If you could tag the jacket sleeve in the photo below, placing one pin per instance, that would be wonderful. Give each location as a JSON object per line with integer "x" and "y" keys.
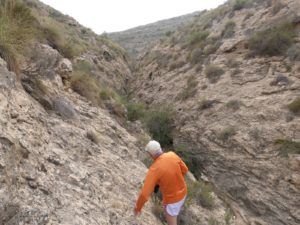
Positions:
{"x": 183, "y": 167}
{"x": 148, "y": 188}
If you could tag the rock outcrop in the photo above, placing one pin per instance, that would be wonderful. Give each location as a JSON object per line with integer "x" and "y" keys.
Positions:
{"x": 52, "y": 172}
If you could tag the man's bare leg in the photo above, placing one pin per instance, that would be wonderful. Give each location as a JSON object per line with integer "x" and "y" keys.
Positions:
{"x": 171, "y": 220}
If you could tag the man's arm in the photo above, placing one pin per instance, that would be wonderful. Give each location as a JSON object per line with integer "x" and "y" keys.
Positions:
{"x": 183, "y": 167}
{"x": 147, "y": 190}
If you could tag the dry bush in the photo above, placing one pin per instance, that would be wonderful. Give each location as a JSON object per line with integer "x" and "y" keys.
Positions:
{"x": 87, "y": 86}
{"x": 228, "y": 31}
{"x": 190, "y": 89}
{"x": 213, "y": 73}
{"x": 226, "y": 133}
{"x": 17, "y": 30}
{"x": 273, "y": 41}
{"x": 294, "y": 106}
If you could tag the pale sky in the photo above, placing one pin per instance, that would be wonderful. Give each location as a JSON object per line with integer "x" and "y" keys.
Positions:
{"x": 118, "y": 15}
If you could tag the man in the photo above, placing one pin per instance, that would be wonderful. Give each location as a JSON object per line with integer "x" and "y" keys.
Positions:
{"x": 167, "y": 171}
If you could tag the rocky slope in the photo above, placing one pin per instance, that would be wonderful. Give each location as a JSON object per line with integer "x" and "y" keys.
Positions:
{"x": 63, "y": 159}
{"x": 233, "y": 87}
{"x": 66, "y": 154}
{"x": 139, "y": 39}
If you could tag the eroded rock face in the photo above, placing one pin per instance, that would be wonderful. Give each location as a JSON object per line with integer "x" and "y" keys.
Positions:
{"x": 51, "y": 173}
{"x": 233, "y": 140}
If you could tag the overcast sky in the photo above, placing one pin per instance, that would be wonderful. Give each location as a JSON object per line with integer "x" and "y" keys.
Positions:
{"x": 117, "y": 15}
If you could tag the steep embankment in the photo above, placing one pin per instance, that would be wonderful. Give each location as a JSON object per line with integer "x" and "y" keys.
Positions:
{"x": 64, "y": 159}
{"x": 232, "y": 78}
{"x": 140, "y": 39}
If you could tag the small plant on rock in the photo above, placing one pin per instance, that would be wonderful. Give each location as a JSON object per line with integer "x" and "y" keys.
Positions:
{"x": 294, "y": 106}
{"x": 226, "y": 133}
{"x": 135, "y": 111}
{"x": 213, "y": 73}
{"x": 286, "y": 147}
{"x": 228, "y": 31}
{"x": 190, "y": 89}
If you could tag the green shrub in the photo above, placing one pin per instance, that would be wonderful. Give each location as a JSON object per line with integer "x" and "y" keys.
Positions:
{"x": 135, "y": 111}
{"x": 190, "y": 88}
{"x": 286, "y": 147}
{"x": 196, "y": 56}
{"x": 159, "y": 123}
{"x": 87, "y": 86}
{"x": 213, "y": 73}
{"x": 240, "y": 4}
{"x": 272, "y": 42}
{"x": 106, "y": 94}
{"x": 294, "y": 106}
{"x": 226, "y": 133}
{"x": 201, "y": 193}
{"x": 197, "y": 38}
{"x": 228, "y": 31}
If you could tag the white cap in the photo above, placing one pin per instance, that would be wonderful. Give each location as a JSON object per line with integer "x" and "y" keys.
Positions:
{"x": 153, "y": 147}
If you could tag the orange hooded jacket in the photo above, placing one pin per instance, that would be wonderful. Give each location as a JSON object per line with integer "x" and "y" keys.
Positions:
{"x": 168, "y": 172}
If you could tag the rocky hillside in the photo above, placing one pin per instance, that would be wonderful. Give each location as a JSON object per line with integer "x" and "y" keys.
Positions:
{"x": 68, "y": 155}
{"x": 231, "y": 79}
{"x": 139, "y": 39}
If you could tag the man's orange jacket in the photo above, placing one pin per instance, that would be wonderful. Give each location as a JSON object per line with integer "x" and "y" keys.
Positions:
{"x": 168, "y": 172}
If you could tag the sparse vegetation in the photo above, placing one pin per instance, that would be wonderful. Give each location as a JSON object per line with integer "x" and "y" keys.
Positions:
{"x": 228, "y": 31}
{"x": 197, "y": 38}
{"x": 240, "y": 4}
{"x": 201, "y": 193}
{"x": 226, "y": 133}
{"x": 17, "y": 30}
{"x": 286, "y": 147}
{"x": 107, "y": 94}
{"x": 87, "y": 86}
{"x": 213, "y": 221}
{"x": 135, "y": 111}
{"x": 159, "y": 123}
{"x": 273, "y": 41}
{"x": 196, "y": 56}
{"x": 294, "y": 106}
{"x": 213, "y": 73}
{"x": 190, "y": 88}
{"x": 176, "y": 64}
{"x": 67, "y": 46}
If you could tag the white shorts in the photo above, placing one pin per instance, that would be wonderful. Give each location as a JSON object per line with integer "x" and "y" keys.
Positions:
{"x": 174, "y": 208}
